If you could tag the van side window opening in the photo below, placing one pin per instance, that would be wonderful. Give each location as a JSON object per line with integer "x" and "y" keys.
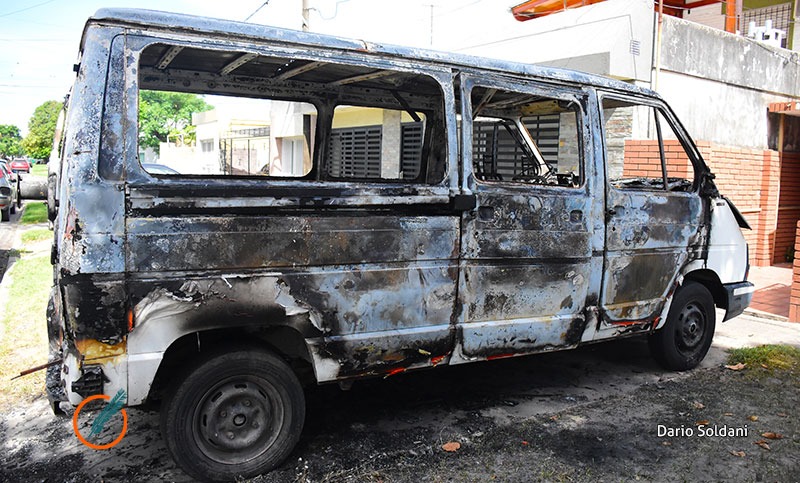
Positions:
{"x": 262, "y": 116}
{"x": 642, "y": 149}
{"x": 375, "y": 143}
{"x": 525, "y": 138}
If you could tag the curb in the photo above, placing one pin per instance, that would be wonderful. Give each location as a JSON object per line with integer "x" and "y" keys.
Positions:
{"x": 764, "y": 315}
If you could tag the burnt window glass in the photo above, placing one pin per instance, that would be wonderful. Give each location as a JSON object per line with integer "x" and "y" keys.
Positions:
{"x": 224, "y": 113}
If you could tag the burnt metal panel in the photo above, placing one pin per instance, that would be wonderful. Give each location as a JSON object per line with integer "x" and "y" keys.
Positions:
{"x": 649, "y": 237}
{"x": 250, "y": 242}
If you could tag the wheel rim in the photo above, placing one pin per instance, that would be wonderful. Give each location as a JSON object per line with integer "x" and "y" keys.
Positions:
{"x": 238, "y": 419}
{"x": 691, "y": 328}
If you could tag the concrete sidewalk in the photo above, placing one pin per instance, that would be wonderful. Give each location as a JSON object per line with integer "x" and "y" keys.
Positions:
{"x": 749, "y": 330}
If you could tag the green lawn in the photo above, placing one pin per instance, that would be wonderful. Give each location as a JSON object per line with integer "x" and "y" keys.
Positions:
{"x": 766, "y": 357}
{"x": 35, "y": 212}
{"x": 23, "y": 329}
{"x": 36, "y": 234}
{"x": 39, "y": 170}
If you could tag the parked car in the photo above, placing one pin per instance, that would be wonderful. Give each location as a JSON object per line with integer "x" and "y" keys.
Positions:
{"x": 404, "y": 209}
{"x": 9, "y": 192}
{"x": 20, "y": 166}
{"x": 155, "y": 168}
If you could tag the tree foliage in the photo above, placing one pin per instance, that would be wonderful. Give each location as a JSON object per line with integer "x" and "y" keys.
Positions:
{"x": 167, "y": 117}
{"x": 41, "y": 129}
{"x": 10, "y": 141}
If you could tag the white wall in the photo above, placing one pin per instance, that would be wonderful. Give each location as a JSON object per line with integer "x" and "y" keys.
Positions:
{"x": 596, "y": 38}
{"x": 710, "y": 15}
{"x": 720, "y": 84}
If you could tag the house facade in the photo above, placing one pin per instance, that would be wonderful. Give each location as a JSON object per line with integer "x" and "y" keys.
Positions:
{"x": 739, "y": 97}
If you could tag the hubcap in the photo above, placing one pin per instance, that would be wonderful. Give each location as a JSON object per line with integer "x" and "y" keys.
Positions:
{"x": 691, "y": 328}
{"x": 238, "y": 419}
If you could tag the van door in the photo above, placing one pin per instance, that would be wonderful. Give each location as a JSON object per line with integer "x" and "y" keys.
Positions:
{"x": 528, "y": 269}
{"x": 653, "y": 211}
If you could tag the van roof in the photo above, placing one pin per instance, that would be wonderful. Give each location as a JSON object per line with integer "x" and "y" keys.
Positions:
{"x": 194, "y": 25}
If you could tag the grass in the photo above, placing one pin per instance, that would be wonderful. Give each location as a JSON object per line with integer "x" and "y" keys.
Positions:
{"x": 23, "y": 330}
{"x": 768, "y": 357}
{"x": 35, "y": 212}
{"x": 39, "y": 170}
{"x": 35, "y": 235}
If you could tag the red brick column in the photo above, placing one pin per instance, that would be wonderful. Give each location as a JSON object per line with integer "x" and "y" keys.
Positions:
{"x": 768, "y": 217}
{"x": 794, "y": 299}
{"x": 751, "y": 179}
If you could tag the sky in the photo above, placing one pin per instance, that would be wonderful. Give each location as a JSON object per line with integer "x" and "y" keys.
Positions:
{"x": 39, "y": 39}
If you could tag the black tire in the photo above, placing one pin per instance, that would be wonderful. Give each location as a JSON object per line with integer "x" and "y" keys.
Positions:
{"x": 236, "y": 414}
{"x": 12, "y": 208}
{"x": 5, "y": 214}
{"x": 684, "y": 340}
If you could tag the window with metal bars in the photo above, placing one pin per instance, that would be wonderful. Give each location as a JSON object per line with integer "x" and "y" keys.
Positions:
{"x": 781, "y": 16}
{"x": 355, "y": 152}
{"x": 411, "y": 149}
{"x": 391, "y": 150}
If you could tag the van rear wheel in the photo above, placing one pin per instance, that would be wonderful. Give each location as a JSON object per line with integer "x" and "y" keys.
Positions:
{"x": 686, "y": 337}
{"x": 235, "y": 414}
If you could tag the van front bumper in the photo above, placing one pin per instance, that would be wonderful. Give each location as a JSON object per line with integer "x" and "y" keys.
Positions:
{"x": 739, "y": 295}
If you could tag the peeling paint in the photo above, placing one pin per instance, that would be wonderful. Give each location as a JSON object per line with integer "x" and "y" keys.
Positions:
{"x": 357, "y": 277}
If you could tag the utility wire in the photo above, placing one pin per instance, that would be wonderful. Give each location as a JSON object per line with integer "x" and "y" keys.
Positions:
{"x": 335, "y": 12}
{"x": 26, "y": 8}
{"x": 256, "y": 10}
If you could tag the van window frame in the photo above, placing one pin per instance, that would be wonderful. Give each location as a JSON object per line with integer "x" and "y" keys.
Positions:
{"x": 359, "y": 192}
{"x": 578, "y": 96}
{"x": 681, "y": 135}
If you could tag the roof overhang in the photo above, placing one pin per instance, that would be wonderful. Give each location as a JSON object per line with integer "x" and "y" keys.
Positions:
{"x": 791, "y": 108}
{"x": 539, "y": 8}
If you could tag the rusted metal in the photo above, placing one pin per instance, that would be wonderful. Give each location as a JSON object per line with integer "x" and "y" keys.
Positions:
{"x": 353, "y": 277}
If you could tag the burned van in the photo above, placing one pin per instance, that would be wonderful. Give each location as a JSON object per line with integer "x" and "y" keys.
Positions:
{"x": 323, "y": 210}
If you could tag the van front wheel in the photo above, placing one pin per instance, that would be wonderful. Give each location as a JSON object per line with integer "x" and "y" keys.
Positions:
{"x": 236, "y": 414}
{"x": 686, "y": 337}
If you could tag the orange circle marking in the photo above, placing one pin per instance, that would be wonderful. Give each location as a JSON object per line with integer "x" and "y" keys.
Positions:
{"x": 78, "y": 433}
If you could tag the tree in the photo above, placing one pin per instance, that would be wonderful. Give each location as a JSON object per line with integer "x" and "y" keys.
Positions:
{"x": 41, "y": 129}
{"x": 167, "y": 117}
{"x": 10, "y": 141}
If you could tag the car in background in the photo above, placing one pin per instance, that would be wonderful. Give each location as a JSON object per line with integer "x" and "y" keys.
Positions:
{"x": 9, "y": 192}
{"x": 155, "y": 168}
{"x": 20, "y": 166}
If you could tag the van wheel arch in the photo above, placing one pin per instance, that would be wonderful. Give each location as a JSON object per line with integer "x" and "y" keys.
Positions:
{"x": 283, "y": 341}
{"x": 710, "y": 280}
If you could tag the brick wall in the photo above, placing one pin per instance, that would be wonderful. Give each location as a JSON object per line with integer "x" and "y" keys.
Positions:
{"x": 642, "y": 159}
{"x": 788, "y": 208}
{"x": 794, "y": 299}
{"x": 749, "y": 177}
